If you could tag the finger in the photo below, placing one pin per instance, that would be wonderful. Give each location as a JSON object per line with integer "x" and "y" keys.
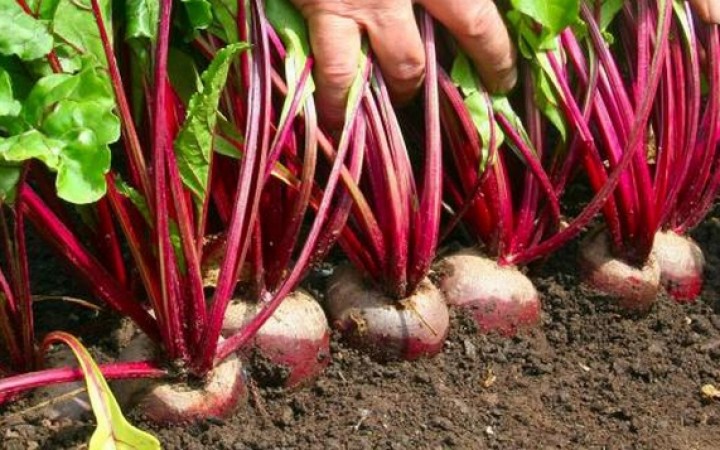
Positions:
{"x": 396, "y": 43}
{"x": 335, "y": 43}
{"x": 707, "y": 10}
{"x": 479, "y": 29}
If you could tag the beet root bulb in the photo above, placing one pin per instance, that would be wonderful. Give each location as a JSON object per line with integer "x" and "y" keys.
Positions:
{"x": 634, "y": 288}
{"x": 681, "y": 265}
{"x": 385, "y": 328}
{"x": 500, "y": 299}
{"x": 170, "y": 402}
{"x": 292, "y": 348}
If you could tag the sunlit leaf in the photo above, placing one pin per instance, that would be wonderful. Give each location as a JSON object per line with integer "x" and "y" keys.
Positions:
{"x": 22, "y": 34}
{"x": 194, "y": 143}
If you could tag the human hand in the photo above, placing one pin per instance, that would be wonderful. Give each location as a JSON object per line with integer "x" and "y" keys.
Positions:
{"x": 335, "y": 37}
{"x": 707, "y": 10}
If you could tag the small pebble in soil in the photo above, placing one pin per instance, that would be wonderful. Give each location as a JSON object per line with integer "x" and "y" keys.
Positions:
{"x": 422, "y": 378}
{"x": 286, "y": 417}
{"x": 470, "y": 349}
{"x": 364, "y": 414}
{"x": 442, "y": 423}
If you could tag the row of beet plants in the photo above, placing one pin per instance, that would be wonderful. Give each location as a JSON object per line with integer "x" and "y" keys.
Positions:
{"x": 225, "y": 191}
{"x": 173, "y": 234}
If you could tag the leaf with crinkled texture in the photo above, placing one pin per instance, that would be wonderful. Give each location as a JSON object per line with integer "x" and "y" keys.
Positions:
{"x": 194, "y": 143}
{"x": 81, "y": 164}
{"x": 22, "y": 34}
{"x": 87, "y": 91}
{"x": 75, "y": 23}
{"x": 46, "y": 92}
{"x": 65, "y": 120}
{"x": 15, "y": 150}
{"x": 31, "y": 145}
{"x": 84, "y": 163}
{"x": 70, "y": 122}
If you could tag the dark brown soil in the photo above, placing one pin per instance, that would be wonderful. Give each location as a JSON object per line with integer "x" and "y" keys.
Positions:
{"x": 587, "y": 378}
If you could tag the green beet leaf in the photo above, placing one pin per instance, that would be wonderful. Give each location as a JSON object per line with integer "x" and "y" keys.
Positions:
{"x": 538, "y": 24}
{"x": 135, "y": 197}
{"x": 69, "y": 124}
{"x": 291, "y": 26}
{"x": 608, "y": 10}
{"x": 547, "y": 95}
{"x": 8, "y": 105}
{"x": 553, "y": 15}
{"x": 478, "y": 103}
{"x": 199, "y": 12}
{"x": 22, "y": 34}
{"x": 183, "y": 74}
{"x": 193, "y": 16}
{"x": 194, "y": 143}
{"x": 32, "y": 145}
{"x": 74, "y": 22}
{"x": 64, "y": 120}
{"x": 141, "y": 17}
{"x": 224, "y": 24}
{"x": 81, "y": 174}
{"x": 19, "y": 148}
{"x": 20, "y": 79}
{"x": 9, "y": 179}
{"x": 44, "y": 9}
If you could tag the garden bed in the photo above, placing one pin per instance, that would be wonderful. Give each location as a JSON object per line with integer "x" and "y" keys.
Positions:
{"x": 587, "y": 378}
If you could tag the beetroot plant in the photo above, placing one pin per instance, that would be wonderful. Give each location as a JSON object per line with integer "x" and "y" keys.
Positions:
{"x": 680, "y": 132}
{"x": 687, "y": 121}
{"x": 514, "y": 206}
{"x": 56, "y": 107}
{"x": 385, "y": 304}
{"x": 174, "y": 148}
